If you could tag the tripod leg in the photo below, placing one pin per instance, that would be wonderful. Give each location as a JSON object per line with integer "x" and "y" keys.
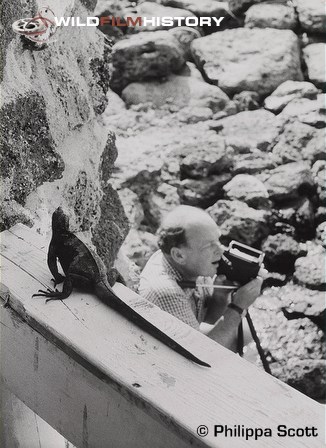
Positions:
{"x": 258, "y": 345}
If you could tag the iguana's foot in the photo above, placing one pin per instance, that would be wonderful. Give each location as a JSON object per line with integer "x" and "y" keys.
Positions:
{"x": 52, "y": 295}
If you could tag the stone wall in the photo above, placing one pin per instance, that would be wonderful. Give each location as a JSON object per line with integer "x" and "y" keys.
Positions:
{"x": 55, "y": 148}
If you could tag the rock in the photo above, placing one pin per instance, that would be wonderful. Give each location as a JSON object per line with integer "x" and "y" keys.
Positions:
{"x": 307, "y": 111}
{"x": 210, "y": 159}
{"x": 132, "y": 207}
{"x": 248, "y": 59}
{"x": 139, "y": 246}
{"x": 206, "y": 8}
{"x": 185, "y": 35}
{"x": 240, "y": 222}
{"x": 292, "y": 142}
{"x": 305, "y": 220}
{"x": 161, "y": 201}
{"x": 288, "y": 91}
{"x": 312, "y": 15}
{"x": 290, "y": 181}
{"x": 313, "y": 55}
{"x": 318, "y": 171}
{"x": 254, "y": 162}
{"x": 240, "y": 5}
{"x": 177, "y": 92}
{"x": 310, "y": 271}
{"x": 258, "y": 128}
{"x": 281, "y": 251}
{"x": 204, "y": 192}
{"x": 321, "y": 234}
{"x": 116, "y": 105}
{"x": 151, "y": 9}
{"x": 320, "y": 215}
{"x": 315, "y": 148}
{"x": 12, "y": 213}
{"x": 246, "y": 101}
{"x": 190, "y": 115}
{"x": 307, "y": 376}
{"x": 248, "y": 189}
{"x": 271, "y": 15}
{"x": 302, "y": 302}
{"x": 144, "y": 56}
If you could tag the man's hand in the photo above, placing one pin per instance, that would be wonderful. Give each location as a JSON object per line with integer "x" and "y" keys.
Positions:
{"x": 247, "y": 294}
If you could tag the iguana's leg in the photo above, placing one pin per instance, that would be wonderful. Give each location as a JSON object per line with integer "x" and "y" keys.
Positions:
{"x": 57, "y": 295}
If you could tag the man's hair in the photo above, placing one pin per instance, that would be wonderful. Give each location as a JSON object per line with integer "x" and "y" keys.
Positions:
{"x": 171, "y": 237}
{"x": 172, "y": 232}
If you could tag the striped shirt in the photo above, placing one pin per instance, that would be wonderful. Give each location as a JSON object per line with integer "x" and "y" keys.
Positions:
{"x": 158, "y": 284}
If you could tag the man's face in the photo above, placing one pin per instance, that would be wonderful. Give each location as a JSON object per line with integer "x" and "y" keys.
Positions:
{"x": 203, "y": 250}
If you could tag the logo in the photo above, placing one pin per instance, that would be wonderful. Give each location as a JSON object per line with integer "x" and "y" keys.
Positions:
{"x": 38, "y": 29}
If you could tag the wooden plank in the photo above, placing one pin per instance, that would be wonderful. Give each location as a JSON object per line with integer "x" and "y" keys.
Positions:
{"x": 173, "y": 392}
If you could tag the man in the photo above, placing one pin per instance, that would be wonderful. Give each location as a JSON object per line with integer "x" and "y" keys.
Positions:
{"x": 190, "y": 249}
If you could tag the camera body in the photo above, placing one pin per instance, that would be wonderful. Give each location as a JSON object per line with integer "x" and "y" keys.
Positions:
{"x": 240, "y": 263}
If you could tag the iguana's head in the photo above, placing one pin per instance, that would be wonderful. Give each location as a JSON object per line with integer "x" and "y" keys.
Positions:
{"x": 60, "y": 221}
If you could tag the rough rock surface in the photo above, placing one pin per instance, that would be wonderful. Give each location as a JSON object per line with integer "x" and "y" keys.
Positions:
{"x": 270, "y": 15}
{"x": 151, "y": 9}
{"x": 292, "y": 143}
{"x": 312, "y": 15}
{"x": 310, "y": 271}
{"x": 318, "y": 171}
{"x": 248, "y": 189}
{"x": 238, "y": 5}
{"x": 202, "y": 192}
{"x": 307, "y": 111}
{"x": 178, "y": 92}
{"x": 150, "y": 55}
{"x": 240, "y": 222}
{"x": 214, "y": 158}
{"x": 291, "y": 338}
{"x": 314, "y": 57}
{"x": 290, "y": 181}
{"x": 246, "y": 100}
{"x": 288, "y": 91}
{"x": 55, "y": 151}
{"x": 206, "y": 8}
{"x": 257, "y": 128}
{"x": 281, "y": 251}
{"x": 241, "y": 59}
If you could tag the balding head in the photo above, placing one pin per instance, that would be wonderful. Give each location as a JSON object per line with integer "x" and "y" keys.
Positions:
{"x": 179, "y": 224}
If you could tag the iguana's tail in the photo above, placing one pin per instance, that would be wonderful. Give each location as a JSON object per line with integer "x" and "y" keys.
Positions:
{"x": 106, "y": 293}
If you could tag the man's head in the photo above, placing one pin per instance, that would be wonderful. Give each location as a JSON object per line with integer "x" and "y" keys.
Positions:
{"x": 189, "y": 238}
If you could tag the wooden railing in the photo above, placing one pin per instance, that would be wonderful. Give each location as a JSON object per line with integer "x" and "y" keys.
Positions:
{"x": 102, "y": 382}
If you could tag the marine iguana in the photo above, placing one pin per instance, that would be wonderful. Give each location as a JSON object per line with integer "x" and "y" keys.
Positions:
{"x": 79, "y": 264}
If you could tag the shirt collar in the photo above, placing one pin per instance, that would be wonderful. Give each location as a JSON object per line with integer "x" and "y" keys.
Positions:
{"x": 170, "y": 269}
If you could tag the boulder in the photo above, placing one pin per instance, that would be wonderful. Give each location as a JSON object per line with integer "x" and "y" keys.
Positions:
{"x": 240, "y": 5}
{"x": 248, "y": 59}
{"x": 206, "y": 8}
{"x": 315, "y": 148}
{"x": 319, "y": 172}
{"x": 307, "y": 111}
{"x": 258, "y": 128}
{"x": 321, "y": 234}
{"x": 139, "y": 246}
{"x": 144, "y": 56}
{"x": 177, "y": 92}
{"x": 240, "y": 222}
{"x": 271, "y": 15}
{"x": 254, "y": 162}
{"x": 314, "y": 57}
{"x": 248, "y": 189}
{"x": 164, "y": 199}
{"x": 185, "y": 35}
{"x": 304, "y": 220}
{"x": 246, "y": 101}
{"x": 191, "y": 115}
{"x": 210, "y": 159}
{"x": 289, "y": 181}
{"x": 310, "y": 271}
{"x": 288, "y": 91}
{"x": 281, "y": 251}
{"x": 202, "y": 192}
{"x": 292, "y": 142}
{"x": 312, "y": 15}
{"x": 132, "y": 207}
{"x": 152, "y": 9}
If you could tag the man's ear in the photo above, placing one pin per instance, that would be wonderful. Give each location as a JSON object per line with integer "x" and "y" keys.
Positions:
{"x": 178, "y": 255}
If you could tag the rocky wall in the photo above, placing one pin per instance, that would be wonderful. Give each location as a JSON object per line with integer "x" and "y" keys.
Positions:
{"x": 55, "y": 148}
